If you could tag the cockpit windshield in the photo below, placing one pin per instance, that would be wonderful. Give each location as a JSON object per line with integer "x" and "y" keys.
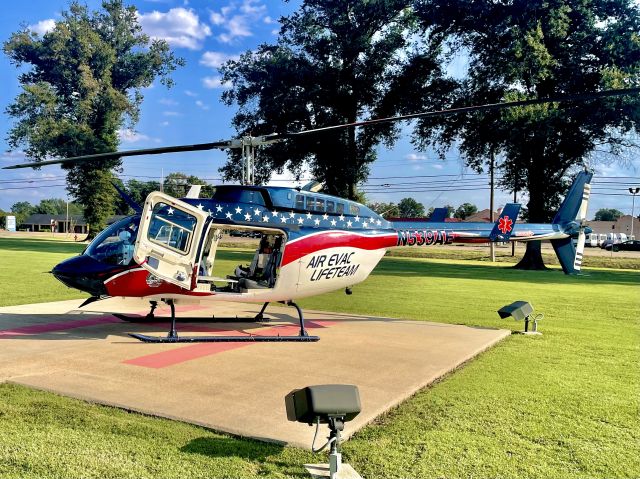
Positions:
{"x": 115, "y": 244}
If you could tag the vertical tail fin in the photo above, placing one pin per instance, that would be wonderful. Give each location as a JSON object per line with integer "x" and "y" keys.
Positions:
{"x": 570, "y": 219}
{"x": 506, "y": 221}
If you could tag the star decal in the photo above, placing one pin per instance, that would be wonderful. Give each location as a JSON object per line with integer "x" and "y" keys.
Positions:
{"x": 238, "y": 210}
{"x": 341, "y": 217}
{"x": 292, "y": 214}
{"x": 256, "y": 212}
{"x": 283, "y": 219}
{"x": 300, "y": 220}
{"x": 228, "y": 215}
{"x": 265, "y": 219}
{"x": 357, "y": 218}
{"x": 210, "y": 213}
{"x": 218, "y": 208}
{"x": 349, "y": 224}
{"x": 308, "y": 215}
{"x": 247, "y": 217}
{"x": 378, "y": 222}
{"x": 325, "y": 217}
{"x": 274, "y": 214}
{"x": 200, "y": 207}
{"x": 170, "y": 210}
{"x": 316, "y": 221}
{"x": 364, "y": 224}
{"x": 333, "y": 222}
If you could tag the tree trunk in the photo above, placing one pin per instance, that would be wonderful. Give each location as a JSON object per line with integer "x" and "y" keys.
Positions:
{"x": 532, "y": 258}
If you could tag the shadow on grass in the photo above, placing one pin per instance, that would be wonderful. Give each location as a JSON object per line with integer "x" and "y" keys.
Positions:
{"x": 232, "y": 447}
{"x": 43, "y": 246}
{"x": 407, "y": 267}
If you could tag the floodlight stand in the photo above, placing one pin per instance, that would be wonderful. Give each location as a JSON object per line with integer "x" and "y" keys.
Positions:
{"x": 534, "y": 326}
{"x": 335, "y": 458}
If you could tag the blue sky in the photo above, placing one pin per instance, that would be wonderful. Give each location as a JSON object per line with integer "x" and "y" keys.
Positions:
{"x": 205, "y": 33}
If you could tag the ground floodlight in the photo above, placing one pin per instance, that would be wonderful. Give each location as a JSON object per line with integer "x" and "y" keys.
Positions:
{"x": 521, "y": 310}
{"x": 331, "y": 404}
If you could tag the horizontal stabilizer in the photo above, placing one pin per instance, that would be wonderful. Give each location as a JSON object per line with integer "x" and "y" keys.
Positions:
{"x": 503, "y": 228}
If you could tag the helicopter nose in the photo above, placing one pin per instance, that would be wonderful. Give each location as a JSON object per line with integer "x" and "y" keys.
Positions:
{"x": 83, "y": 273}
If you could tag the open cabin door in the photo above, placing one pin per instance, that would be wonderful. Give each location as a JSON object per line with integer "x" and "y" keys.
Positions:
{"x": 169, "y": 239}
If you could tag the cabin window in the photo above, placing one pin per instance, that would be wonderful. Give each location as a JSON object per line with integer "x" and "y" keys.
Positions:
{"x": 331, "y": 206}
{"x": 320, "y": 204}
{"x": 340, "y": 208}
{"x": 300, "y": 202}
{"x": 171, "y": 227}
{"x": 354, "y": 210}
{"x": 311, "y": 203}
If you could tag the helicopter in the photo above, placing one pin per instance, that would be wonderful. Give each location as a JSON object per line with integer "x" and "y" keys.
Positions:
{"x": 310, "y": 242}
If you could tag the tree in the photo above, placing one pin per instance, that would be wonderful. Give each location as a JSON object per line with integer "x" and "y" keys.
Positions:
{"x": 22, "y": 210}
{"x": 410, "y": 208}
{"x": 386, "y": 210}
{"x": 537, "y": 49}
{"x": 178, "y": 184}
{"x": 81, "y": 83}
{"x": 57, "y": 206}
{"x": 335, "y": 62}
{"x": 607, "y": 214}
{"x": 465, "y": 210}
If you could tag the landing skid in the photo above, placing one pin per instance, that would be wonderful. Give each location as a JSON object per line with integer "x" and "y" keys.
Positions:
{"x": 173, "y": 337}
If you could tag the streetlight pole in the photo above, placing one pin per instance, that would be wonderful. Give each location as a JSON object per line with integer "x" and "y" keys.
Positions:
{"x": 634, "y": 192}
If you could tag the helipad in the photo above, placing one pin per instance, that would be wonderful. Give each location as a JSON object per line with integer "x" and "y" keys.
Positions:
{"x": 233, "y": 387}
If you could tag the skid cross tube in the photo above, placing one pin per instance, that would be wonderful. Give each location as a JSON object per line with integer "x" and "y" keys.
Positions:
{"x": 173, "y": 336}
{"x": 258, "y": 318}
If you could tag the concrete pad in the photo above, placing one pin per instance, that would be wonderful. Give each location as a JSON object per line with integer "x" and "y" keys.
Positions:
{"x": 232, "y": 387}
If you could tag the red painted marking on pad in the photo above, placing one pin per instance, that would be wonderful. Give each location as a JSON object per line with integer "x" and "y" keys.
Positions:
{"x": 57, "y": 326}
{"x": 195, "y": 351}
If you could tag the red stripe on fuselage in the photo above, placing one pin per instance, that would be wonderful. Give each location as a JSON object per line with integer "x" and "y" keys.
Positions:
{"x": 134, "y": 284}
{"x": 335, "y": 239}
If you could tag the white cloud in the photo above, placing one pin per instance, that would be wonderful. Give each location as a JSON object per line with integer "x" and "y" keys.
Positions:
{"x": 415, "y": 157}
{"x": 190, "y": 93}
{"x": 179, "y": 26}
{"x": 268, "y": 20}
{"x": 216, "y": 59}
{"x": 167, "y": 101}
{"x": 43, "y": 26}
{"x": 127, "y": 135}
{"x": 164, "y": 123}
{"x": 215, "y": 82}
{"x": 171, "y": 113}
{"x": 437, "y": 166}
{"x": 237, "y": 19}
{"x": 202, "y": 105}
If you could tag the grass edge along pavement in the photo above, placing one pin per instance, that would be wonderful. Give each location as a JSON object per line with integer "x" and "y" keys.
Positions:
{"x": 561, "y": 405}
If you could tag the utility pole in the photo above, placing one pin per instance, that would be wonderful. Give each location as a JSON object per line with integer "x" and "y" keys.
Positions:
{"x": 634, "y": 192}
{"x": 492, "y": 245}
{"x": 513, "y": 243}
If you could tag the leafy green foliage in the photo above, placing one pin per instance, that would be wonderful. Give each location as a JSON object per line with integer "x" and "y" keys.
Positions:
{"x": 178, "y": 184}
{"x": 410, "y": 208}
{"x": 81, "y": 83}
{"x": 335, "y": 62}
{"x": 465, "y": 210}
{"x": 57, "y": 206}
{"x": 386, "y": 210}
{"x": 538, "y": 49}
{"x": 607, "y": 214}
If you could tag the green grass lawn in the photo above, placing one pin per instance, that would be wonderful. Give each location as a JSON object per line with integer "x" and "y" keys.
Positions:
{"x": 562, "y": 405}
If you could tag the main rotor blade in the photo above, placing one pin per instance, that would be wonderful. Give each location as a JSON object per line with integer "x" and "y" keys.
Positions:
{"x": 119, "y": 154}
{"x": 464, "y": 109}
